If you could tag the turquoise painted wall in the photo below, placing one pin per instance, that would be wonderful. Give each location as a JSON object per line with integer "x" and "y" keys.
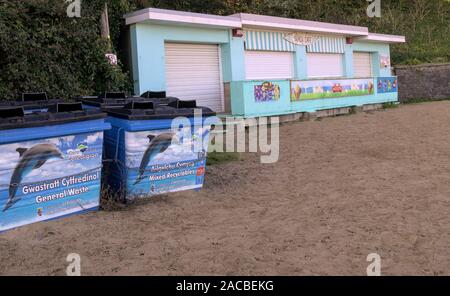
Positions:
{"x": 300, "y": 64}
{"x": 348, "y": 61}
{"x": 233, "y": 60}
{"x": 244, "y": 103}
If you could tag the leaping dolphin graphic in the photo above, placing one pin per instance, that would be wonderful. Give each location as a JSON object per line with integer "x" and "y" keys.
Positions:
{"x": 30, "y": 159}
{"x": 158, "y": 144}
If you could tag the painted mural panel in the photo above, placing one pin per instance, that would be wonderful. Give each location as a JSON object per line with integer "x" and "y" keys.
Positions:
{"x": 160, "y": 161}
{"x": 267, "y": 91}
{"x": 49, "y": 178}
{"x": 324, "y": 89}
{"x": 387, "y": 85}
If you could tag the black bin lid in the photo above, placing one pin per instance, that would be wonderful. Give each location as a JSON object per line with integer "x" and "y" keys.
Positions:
{"x": 33, "y": 101}
{"x": 154, "y": 94}
{"x": 108, "y": 100}
{"x": 119, "y": 99}
{"x": 151, "y": 110}
{"x": 13, "y": 117}
{"x": 34, "y": 97}
{"x": 159, "y": 97}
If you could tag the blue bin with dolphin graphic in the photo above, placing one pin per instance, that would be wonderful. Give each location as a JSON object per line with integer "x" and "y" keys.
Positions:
{"x": 156, "y": 148}
{"x": 50, "y": 162}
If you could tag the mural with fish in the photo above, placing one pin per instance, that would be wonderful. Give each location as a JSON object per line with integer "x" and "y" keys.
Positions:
{"x": 49, "y": 178}
{"x": 324, "y": 89}
{"x": 266, "y": 92}
{"x": 387, "y": 85}
{"x": 161, "y": 161}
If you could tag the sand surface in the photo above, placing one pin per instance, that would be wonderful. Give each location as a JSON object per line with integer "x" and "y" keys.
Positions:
{"x": 344, "y": 187}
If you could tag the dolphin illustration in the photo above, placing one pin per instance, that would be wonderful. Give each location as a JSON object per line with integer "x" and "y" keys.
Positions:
{"x": 158, "y": 144}
{"x": 30, "y": 159}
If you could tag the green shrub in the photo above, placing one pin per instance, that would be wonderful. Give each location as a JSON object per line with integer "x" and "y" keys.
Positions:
{"x": 215, "y": 158}
{"x": 42, "y": 49}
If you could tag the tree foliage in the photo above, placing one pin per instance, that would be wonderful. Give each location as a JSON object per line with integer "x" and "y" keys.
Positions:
{"x": 425, "y": 23}
{"x": 42, "y": 49}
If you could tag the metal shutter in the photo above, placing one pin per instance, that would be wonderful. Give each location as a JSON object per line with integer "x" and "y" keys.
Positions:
{"x": 269, "y": 65}
{"x": 362, "y": 66}
{"x": 193, "y": 72}
{"x": 324, "y": 65}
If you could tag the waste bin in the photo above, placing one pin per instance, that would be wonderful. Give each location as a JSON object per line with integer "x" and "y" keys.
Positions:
{"x": 50, "y": 162}
{"x": 149, "y": 157}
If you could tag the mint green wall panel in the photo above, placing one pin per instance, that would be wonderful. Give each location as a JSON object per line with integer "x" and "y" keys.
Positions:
{"x": 348, "y": 61}
{"x": 233, "y": 60}
{"x": 237, "y": 95}
{"x": 300, "y": 63}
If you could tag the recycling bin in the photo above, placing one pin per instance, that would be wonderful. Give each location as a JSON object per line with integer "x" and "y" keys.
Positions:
{"x": 50, "y": 162}
{"x": 151, "y": 157}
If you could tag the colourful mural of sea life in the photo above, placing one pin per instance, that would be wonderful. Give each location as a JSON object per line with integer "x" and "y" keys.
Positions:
{"x": 266, "y": 92}
{"x": 324, "y": 89}
{"x": 387, "y": 85}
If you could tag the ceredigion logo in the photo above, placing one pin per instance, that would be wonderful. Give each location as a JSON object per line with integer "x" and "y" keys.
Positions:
{"x": 82, "y": 147}
{"x": 374, "y": 8}
{"x": 74, "y": 8}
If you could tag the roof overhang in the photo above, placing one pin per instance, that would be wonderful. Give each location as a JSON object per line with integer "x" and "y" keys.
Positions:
{"x": 154, "y": 15}
{"x": 254, "y": 21}
{"x": 383, "y": 38}
{"x": 280, "y": 23}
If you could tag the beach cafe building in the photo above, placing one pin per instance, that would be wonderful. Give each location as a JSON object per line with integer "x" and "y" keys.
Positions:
{"x": 255, "y": 65}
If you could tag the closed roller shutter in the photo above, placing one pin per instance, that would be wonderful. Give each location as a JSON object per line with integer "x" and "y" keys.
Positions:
{"x": 193, "y": 73}
{"x": 324, "y": 65}
{"x": 269, "y": 65}
{"x": 362, "y": 66}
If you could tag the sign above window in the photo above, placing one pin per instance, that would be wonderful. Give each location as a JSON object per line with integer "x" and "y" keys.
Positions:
{"x": 280, "y": 41}
{"x": 301, "y": 38}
